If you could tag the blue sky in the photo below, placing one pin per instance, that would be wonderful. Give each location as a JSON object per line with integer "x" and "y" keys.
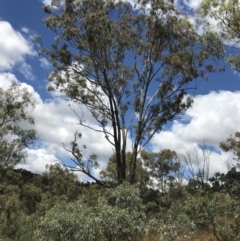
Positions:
{"x": 214, "y": 116}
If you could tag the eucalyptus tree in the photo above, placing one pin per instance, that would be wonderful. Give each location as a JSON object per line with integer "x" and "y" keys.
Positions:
{"x": 162, "y": 167}
{"x": 14, "y": 139}
{"x": 130, "y": 66}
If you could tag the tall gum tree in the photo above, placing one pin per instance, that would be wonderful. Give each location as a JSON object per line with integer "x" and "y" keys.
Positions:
{"x": 131, "y": 67}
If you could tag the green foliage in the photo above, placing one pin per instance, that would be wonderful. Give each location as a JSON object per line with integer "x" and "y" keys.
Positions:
{"x": 13, "y": 138}
{"x": 232, "y": 144}
{"x": 194, "y": 185}
{"x": 67, "y": 221}
{"x": 30, "y": 197}
{"x": 228, "y": 183}
{"x": 118, "y": 215}
{"x": 169, "y": 229}
{"x": 58, "y": 180}
{"x": 35, "y": 207}
{"x": 122, "y": 215}
{"x": 25, "y": 197}
{"x": 217, "y": 212}
{"x": 227, "y": 15}
{"x": 10, "y": 212}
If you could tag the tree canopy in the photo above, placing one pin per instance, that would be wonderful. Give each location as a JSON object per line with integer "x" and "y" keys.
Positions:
{"x": 226, "y": 13}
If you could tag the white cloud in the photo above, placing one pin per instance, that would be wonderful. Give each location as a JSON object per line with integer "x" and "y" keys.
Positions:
{"x": 37, "y": 160}
{"x": 211, "y": 119}
{"x": 27, "y": 71}
{"x": 192, "y": 4}
{"x": 44, "y": 63}
{"x": 214, "y": 116}
{"x": 47, "y": 2}
{"x": 25, "y": 30}
{"x": 56, "y": 122}
{"x": 13, "y": 47}
{"x": 6, "y": 79}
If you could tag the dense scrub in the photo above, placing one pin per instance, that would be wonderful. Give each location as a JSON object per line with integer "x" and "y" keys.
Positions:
{"x": 56, "y": 206}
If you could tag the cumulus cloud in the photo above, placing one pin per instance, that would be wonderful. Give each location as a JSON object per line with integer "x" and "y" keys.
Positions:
{"x": 55, "y": 123}
{"x": 6, "y": 79}
{"x": 37, "y": 160}
{"x": 13, "y": 47}
{"x": 211, "y": 119}
{"x": 58, "y": 124}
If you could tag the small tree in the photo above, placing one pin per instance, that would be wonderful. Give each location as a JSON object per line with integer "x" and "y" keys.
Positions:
{"x": 162, "y": 166}
{"x": 13, "y": 138}
{"x": 197, "y": 165}
{"x": 131, "y": 67}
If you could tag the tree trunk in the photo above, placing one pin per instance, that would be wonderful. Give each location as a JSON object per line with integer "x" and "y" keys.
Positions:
{"x": 119, "y": 168}
{"x": 133, "y": 164}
